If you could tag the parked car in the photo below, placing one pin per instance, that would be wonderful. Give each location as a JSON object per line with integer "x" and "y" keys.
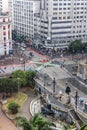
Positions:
{"x": 23, "y": 49}
{"x": 31, "y": 54}
{"x": 23, "y": 45}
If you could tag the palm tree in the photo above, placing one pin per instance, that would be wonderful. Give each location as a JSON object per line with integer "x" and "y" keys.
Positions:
{"x": 65, "y": 127}
{"x": 37, "y": 122}
{"x": 25, "y": 124}
{"x": 46, "y": 125}
{"x": 84, "y": 127}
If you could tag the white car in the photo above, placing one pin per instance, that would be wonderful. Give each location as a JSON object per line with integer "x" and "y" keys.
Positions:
{"x": 23, "y": 45}
{"x": 23, "y": 49}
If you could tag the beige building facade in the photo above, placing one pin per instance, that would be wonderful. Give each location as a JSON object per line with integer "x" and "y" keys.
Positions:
{"x": 5, "y": 34}
{"x": 82, "y": 70}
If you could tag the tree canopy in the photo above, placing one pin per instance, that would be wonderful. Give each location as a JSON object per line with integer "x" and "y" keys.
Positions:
{"x": 37, "y": 122}
{"x": 77, "y": 46}
{"x": 18, "y": 77}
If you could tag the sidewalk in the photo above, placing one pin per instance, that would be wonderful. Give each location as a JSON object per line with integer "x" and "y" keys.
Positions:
{"x": 5, "y": 123}
{"x": 25, "y": 109}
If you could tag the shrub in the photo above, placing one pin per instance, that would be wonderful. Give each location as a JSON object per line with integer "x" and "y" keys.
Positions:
{"x": 13, "y": 107}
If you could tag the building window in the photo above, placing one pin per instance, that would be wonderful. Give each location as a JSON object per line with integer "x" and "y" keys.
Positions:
{"x": 4, "y": 33}
{"x": 4, "y": 27}
{"x": 9, "y": 42}
{"x": 5, "y": 44}
{"x": 8, "y": 34}
{"x": 4, "y": 20}
{"x": 4, "y": 38}
{"x": 8, "y": 26}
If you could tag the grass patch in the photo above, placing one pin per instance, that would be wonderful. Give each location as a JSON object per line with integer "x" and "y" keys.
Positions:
{"x": 18, "y": 98}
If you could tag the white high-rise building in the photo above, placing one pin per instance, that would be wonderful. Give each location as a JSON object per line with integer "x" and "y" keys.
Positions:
{"x": 24, "y": 11}
{"x": 4, "y": 5}
{"x": 61, "y": 21}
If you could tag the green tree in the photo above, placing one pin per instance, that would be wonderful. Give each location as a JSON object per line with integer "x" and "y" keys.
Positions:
{"x": 30, "y": 78}
{"x": 76, "y": 46}
{"x": 21, "y": 75}
{"x": 13, "y": 107}
{"x": 7, "y": 85}
{"x": 37, "y": 122}
{"x": 25, "y": 124}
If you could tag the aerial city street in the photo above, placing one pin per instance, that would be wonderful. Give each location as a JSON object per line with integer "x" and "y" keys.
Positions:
{"x": 43, "y": 65}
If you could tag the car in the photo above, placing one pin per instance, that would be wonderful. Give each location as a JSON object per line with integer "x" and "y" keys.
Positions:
{"x": 31, "y": 54}
{"x": 23, "y": 49}
{"x": 23, "y": 45}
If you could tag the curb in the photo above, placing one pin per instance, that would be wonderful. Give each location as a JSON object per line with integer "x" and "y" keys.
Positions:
{"x": 32, "y": 104}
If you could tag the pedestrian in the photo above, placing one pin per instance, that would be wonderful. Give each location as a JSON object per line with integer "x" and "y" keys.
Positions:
{"x": 5, "y": 67}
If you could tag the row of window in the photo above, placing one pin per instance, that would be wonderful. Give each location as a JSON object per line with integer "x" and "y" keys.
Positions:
{"x": 30, "y": 29}
{"x": 6, "y": 20}
{"x": 68, "y": 17}
{"x": 78, "y": 12}
{"x": 68, "y": 0}
{"x": 6, "y": 44}
{"x": 62, "y": 4}
{"x": 25, "y": 16}
{"x": 67, "y": 8}
{"x": 4, "y": 33}
{"x": 4, "y": 27}
{"x": 68, "y": 32}
{"x": 61, "y": 27}
{"x": 61, "y": 8}
{"x": 23, "y": 2}
{"x": 23, "y": 10}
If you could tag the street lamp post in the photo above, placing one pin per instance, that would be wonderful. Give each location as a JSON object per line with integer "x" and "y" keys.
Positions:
{"x": 24, "y": 64}
{"x": 44, "y": 81}
{"x": 73, "y": 51}
{"x": 76, "y": 99}
{"x": 82, "y": 54}
{"x": 54, "y": 85}
{"x": 18, "y": 87}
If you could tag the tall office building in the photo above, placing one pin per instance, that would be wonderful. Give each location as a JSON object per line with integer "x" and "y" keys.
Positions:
{"x": 61, "y": 21}
{"x": 24, "y": 11}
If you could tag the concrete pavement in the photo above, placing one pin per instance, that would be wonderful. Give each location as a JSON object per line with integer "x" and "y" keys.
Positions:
{"x": 25, "y": 109}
